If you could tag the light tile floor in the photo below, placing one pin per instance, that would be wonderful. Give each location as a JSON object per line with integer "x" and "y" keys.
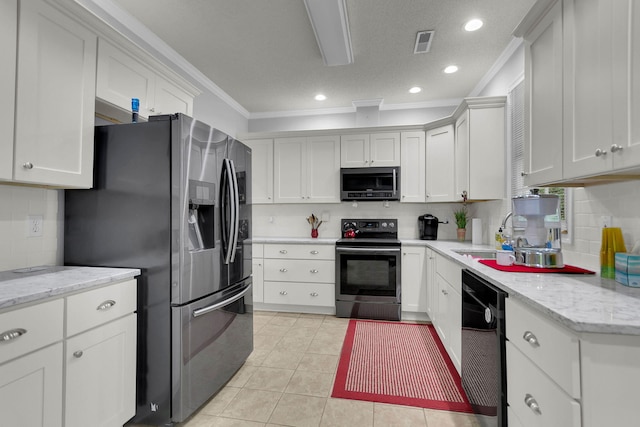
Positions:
{"x": 287, "y": 381}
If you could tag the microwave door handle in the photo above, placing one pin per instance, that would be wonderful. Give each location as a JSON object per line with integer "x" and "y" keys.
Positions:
{"x": 395, "y": 184}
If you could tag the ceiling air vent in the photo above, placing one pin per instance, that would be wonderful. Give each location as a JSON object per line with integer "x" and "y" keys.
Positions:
{"x": 423, "y": 41}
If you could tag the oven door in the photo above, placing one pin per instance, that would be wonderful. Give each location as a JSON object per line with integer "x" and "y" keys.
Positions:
{"x": 368, "y": 274}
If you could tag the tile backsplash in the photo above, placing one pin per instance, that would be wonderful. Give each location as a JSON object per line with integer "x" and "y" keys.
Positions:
{"x": 621, "y": 201}
{"x": 17, "y": 250}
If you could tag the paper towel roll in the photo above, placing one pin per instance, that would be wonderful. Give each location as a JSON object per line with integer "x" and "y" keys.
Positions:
{"x": 476, "y": 231}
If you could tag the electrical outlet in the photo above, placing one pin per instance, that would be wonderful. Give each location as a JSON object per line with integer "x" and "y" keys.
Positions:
{"x": 34, "y": 225}
{"x": 606, "y": 220}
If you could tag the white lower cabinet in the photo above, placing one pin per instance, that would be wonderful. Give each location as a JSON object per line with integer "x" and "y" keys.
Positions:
{"x": 101, "y": 375}
{"x": 76, "y": 353}
{"x": 298, "y": 277}
{"x": 30, "y": 389}
{"x": 413, "y": 288}
{"x": 447, "y": 317}
{"x": 431, "y": 285}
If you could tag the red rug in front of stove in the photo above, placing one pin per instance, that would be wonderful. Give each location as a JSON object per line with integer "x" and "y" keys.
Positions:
{"x": 398, "y": 363}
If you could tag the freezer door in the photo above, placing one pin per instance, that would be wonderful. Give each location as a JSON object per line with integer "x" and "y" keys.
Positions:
{"x": 212, "y": 338}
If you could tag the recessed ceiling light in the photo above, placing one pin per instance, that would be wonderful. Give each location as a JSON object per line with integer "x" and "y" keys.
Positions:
{"x": 451, "y": 69}
{"x": 320, "y": 97}
{"x": 415, "y": 89}
{"x": 474, "y": 24}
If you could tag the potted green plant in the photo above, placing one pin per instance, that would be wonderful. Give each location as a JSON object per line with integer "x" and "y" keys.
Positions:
{"x": 462, "y": 216}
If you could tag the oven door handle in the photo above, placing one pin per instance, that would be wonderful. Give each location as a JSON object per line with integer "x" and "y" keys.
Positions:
{"x": 379, "y": 250}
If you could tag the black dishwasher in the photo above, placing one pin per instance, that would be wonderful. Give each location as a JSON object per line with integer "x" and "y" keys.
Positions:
{"x": 484, "y": 374}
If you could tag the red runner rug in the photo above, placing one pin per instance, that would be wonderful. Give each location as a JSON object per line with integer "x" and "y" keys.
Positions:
{"x": 399, "y": 363}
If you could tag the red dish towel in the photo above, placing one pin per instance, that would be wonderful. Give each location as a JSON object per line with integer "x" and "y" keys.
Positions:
{"x": 567, "y": 269}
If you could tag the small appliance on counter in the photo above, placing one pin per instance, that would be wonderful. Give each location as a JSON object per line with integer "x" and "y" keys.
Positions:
{"x": 539, "y": 245}
{"x": 428, "y": 226}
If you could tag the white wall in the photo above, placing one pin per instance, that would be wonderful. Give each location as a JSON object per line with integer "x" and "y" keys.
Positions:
{"x": 16, "y": 249}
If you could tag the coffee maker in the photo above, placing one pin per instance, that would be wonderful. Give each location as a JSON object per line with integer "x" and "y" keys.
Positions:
{"x": 428, "y": 226}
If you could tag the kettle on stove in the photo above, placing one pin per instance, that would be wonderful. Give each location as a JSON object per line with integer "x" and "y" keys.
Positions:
{"x": 428, "y": 226}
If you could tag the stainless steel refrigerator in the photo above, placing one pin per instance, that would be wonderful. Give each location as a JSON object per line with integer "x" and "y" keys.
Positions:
{"x": 173, "y": 197}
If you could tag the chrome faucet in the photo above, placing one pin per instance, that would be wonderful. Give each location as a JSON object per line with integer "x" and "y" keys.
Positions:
{"x": 504, "y": 221}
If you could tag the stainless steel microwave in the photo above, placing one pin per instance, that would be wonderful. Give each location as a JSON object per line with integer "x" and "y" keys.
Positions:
{"x": 378, "y": 183}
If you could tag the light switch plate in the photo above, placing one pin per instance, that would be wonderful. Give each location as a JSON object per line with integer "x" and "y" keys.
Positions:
{"x": 605, "y": 221}
{"x": 34, "y": 225}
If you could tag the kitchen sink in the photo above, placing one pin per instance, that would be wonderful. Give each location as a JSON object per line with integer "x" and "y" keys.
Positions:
{"x": 477, "y": 253}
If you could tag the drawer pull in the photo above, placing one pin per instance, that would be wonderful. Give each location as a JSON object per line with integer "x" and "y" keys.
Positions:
{"x": 532, "y": 404}
{"x": 314, "y": 294}
{"x": 314, "y": 252}
{"x": 106, "y": 305}
{"x": 283, "y": 251}
{"x": 27, "y": 165}
{"x": 78, "y": 354}
{"x": 283, "y": 270}
{"x": 314, "y": 271}
{"x": 13, "y": 334}
{"x": 283, "y": 292}
{"x": 531, "y": 339}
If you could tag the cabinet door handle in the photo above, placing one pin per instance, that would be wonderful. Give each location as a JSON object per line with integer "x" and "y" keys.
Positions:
{"x": 616, "y": 147}
{"x": 152, "y": 110}
{"x": 532, "y": 404}
{"x": 314, "y": 271}
{"x": 531, "y": 339}
{"x": 283, "y": 270}
{"x": 283, "y": 251}
{"x": 78, "y": 354}
{"x": 314, "y": 252}
{"x": 444, "y": 292}
{"x": 314, "y": 294}
{"x": 283, "y": 292}
{"x": 600, "y": 152}
{"x": 106, "y": 305}
{"x": 13, "y": 334}
{"x": 27, "y": 165}
{"x": 523, "y": 174}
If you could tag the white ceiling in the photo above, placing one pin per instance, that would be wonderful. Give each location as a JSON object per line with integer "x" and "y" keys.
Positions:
{"x": 265, "y": 56}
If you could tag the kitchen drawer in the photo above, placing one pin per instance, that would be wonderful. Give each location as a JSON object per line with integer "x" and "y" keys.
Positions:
{"x": 299, "y": 270}
{"x": 551, "y": 347}
{"x": 449, "y": 271}
{"x": 293, "y": 251}
{"x": 318, "y": 294}
{"x": 513, "y": 419}
{"x": 92, "y": 308}
{"x": 32, "y": 328}
{"x": 527, "y": 386}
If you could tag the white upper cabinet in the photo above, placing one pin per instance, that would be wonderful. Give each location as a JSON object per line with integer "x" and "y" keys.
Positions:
{"x": 370, "y": 150}
{"x": 55, "y": 99}
{"x": 261, "y": 170}
{"x": 307, "y": 170}
{"x": 412, "y": 167}
{"x": 440, "y": 167}
{"x": 122, "y": 77}
{"x": 480, "y": 149}
{"x": 543, "y": 100}
{"x": 581, "y": 60}
{"x": 8, "y": 40}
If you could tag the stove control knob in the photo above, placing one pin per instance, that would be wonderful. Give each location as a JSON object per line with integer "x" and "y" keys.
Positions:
{"x": 391, "y": 224}
{"x": 384, "y": 225}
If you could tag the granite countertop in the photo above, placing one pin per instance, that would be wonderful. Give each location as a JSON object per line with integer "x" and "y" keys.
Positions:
{"x": 25, "y": 285}
{"x": 581, "y": 302}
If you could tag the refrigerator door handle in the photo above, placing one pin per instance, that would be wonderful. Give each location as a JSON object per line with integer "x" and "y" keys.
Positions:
{"x": 204, "y": 310}
{"x": 235, "y": 216}
{"x": 228, "y": 233}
